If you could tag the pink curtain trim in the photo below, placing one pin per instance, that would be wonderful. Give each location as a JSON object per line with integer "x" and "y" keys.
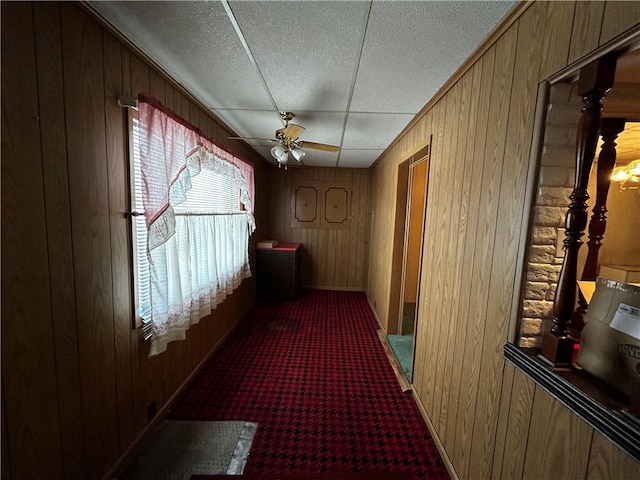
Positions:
{"x": 154, "y": 102}
{"x": 174, "y": 139}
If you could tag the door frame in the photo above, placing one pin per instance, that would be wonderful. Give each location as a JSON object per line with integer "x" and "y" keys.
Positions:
{"x": 397, "y": 260}
{"x": 405, "y": 252}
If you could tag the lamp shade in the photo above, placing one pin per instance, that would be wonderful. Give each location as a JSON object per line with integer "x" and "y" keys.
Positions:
{"x": 283, "y": 158}
{"x": 277, "y": 152}
{"x": 298, "y": 154}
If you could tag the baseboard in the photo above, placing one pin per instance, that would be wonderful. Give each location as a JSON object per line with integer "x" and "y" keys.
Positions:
{"x": 436, "y": 438}
{"x": 375, "y": 315}
{"x": 130, "y": 452}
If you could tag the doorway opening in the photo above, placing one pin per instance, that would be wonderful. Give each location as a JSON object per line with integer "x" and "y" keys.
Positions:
{"x": 412, "y": 179}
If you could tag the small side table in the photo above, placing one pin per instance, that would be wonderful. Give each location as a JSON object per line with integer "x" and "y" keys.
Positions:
{"x": 278, "y": 272}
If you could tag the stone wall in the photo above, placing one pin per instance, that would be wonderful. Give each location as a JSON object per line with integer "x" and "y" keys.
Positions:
{"x": 555, "y": 182}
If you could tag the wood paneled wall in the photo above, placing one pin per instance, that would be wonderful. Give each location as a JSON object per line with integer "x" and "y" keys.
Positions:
{"x": 482, "y": 131}
{"x": 331, "y": 258}
{"x": 77, "y": 383}
{"x": 535, "y": 429}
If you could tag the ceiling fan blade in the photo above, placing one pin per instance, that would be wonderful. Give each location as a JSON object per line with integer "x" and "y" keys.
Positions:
{"x": 251, "y": 138}
{"x": 293, "y": 131}
{"x": 319, "y": 146}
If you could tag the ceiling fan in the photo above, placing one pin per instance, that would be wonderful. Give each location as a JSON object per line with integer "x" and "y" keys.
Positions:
{"x": 287, "y": 140}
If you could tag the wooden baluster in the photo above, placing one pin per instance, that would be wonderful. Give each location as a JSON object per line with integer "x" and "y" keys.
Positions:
{"x": 610, "y": 128}
{"x": 596, "y": 79}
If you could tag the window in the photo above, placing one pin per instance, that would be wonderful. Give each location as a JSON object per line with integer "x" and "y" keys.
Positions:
{"x": 191, "y": 223}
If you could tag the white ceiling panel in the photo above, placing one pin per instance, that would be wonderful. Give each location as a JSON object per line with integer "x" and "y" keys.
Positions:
{"x": 196, "y": 44}
{"x": 373, "y": 130}
{"x": 320, "y": 127}
{"x": 317, "y": 158}
{"x": 412, "y": 48}
{"x": 374, "y": 64}
{"x": 306, "y": 51}
{"x": 358, "y": 158}
{"x": 251, "y": 123}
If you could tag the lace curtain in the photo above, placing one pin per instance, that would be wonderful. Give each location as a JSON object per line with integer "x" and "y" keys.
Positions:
{"x": 195, "y": 261}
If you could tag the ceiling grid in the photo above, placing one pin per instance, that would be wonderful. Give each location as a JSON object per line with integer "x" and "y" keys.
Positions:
{"x": 355, "y": 73}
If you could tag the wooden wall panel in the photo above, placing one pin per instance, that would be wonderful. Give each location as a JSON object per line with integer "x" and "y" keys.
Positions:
{"x": 556, "y": 39}
{"x": 426, "y": 304}
{"x": 424, "y": 325}
{"x": 30, "y": 396}
{"x": 469, "y": 195}
{"x": 470, "y": 265}
{"x": 459, "y": 112}
{"x": 444, "y": 142}
{"x": 55, "y": 171}
{"x": 5, "y": 466}
{"x": 515, "y": 415}
{"x": 472, "y": 312}
{"x": 383, "y": 183}
{"x": 617, "y": 18}
{"x": 504, "y": 420}
{"x": 538, "y": 437}
{"x": 491, "y": 282}
{"x": 120, "y": 237}
{"x": 332, "y": 258}
{"x": 77, "y": 380}
{"x": 607, "y": 462}
{"x": 586, "y": 33}
{"x": 88, "y": 179}
{"x": 558, "y": 442}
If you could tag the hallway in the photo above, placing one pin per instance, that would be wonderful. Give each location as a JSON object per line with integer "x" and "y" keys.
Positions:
{"x": 313, "y": 375}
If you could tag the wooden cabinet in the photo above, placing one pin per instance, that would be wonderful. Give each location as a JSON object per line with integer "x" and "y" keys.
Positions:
{"x": 278, "y": 272}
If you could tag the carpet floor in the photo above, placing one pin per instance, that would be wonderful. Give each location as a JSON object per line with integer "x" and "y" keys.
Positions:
{"x": 314, "y": 377}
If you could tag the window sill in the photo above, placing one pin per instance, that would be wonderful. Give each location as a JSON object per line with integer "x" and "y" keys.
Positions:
{"x": 586, "y": 396}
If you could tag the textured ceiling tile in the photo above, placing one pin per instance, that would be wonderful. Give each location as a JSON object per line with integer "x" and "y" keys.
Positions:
{"x": 306, "y": 50}
{"x": 196, "y": 44}
{"x": 251, "y": 123}
{"x": 373, "y": 130}
{"x": 412, "y": 48}
{"x": 358, "y": 158}
{"x": 320, "y": 127}
{"x": 316, "y": 158}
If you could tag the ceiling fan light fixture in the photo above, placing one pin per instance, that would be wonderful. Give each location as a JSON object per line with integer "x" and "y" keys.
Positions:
{"x": 634, "y": 167}
{"x": 298, "y": 154}
{"x": 278, "y": 152}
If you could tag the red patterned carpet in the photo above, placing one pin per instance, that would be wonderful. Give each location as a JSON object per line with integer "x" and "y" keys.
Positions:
{"x": 314, "y": 376}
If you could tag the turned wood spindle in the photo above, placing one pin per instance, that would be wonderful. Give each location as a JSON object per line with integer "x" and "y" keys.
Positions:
{"x": 596, "y": 79}
{"x": 610, "y": 128}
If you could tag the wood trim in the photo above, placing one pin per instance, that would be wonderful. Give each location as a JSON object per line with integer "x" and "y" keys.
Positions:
{"x": 608, "y": 421}
{"x": 622, "y": 43}
{"x": 537, "y": 145}
{"x": 511, "y": 17}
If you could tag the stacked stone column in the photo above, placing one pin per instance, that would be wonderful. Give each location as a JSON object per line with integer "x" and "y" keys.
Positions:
{"x": 555, "y": 183}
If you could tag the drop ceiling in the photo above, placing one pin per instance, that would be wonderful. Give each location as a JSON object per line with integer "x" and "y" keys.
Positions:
{"x": 355, "y": 73}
